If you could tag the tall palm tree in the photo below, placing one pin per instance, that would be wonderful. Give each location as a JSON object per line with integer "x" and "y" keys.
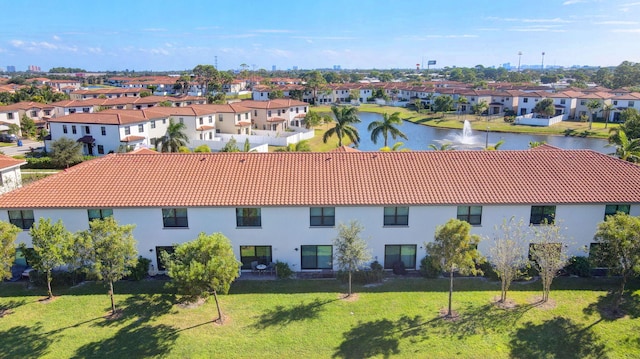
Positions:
{"x": 442, "y": 147}
{"x": 626, "y": 149}
{"x": 345, "y": 116}
{"x": 593, "y": 107}
{"x": 385, "y": 127}
{"x": 174, "y": 138}
{"x": 607, "y": 108}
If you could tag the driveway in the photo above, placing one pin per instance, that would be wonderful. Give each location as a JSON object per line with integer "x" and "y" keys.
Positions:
{"x": 14, "y": 150}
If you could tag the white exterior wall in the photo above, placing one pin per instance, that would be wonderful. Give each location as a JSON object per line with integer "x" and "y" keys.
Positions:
{"x": 529, "y": 105}
{"x": 11, "y": 179}
{"x": 4, "y": 117}
{"x": 286, "y": 228}
{"x": 110, "y": 141}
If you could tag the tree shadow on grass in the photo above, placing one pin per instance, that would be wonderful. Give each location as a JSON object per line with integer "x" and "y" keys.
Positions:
{"x": 143, "y": 306}
{"x": 556, "y": 338}
{"x": 7, "y": 308}
{"x": 24, "y": 342}
{"x": 283, "y": 316}
{"x": 630, "y": 306}
{"x": 380, "y": 337}
{"x": 132, "y": 341}
{"x": 481, "y": 320}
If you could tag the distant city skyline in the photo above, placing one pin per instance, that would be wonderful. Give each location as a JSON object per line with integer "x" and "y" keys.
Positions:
{"x": 162, "y": 35}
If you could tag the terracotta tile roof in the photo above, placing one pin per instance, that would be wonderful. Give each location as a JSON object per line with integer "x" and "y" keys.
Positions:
{"x": 107, "y": 117}
{"x": 8, "y": 162}
{"x": 23, "y": 106}
{"x": 279, "y": 103}
{"x": 205, "y": 128}
{"x": 276, "y": 119}
{"x": 243, "y": 124}
{"x": 132, "y": 139}
{"x": 368, "y": 178}
{"x": 144, "y": 151}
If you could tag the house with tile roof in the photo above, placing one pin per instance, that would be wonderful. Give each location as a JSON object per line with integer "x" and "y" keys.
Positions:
{"x": 10, "y": 175}
{"x": 399, "y": 198}
{"x": 623, "y": 102}
{"x": 603, "y": 98}
{"x": 276, "y": 115}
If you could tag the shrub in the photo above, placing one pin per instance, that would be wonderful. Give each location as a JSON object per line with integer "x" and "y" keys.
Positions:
{"x": 579, "y": 265}
{"x": 427, "y": 268}
{"x": 282, "y": 270}
{"x": 489, "y": 272}
{"x": 141, "y": 269}
{"x": 399, "y": 268}
{"x": 373, "y": 275}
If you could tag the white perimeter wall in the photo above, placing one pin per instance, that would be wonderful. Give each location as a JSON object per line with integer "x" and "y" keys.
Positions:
{"x": 286, "y": 228}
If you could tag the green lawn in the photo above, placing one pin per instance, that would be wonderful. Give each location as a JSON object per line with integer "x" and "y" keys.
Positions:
{"x": 306, "y": 319}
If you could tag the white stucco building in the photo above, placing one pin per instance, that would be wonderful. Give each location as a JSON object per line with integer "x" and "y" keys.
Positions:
{"x": 286, "y": 206}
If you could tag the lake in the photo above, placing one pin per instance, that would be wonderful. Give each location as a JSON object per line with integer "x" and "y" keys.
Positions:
{"x": 420, "y": 137}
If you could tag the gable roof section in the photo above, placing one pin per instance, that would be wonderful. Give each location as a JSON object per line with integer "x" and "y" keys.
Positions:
{"x": 366, "y": 178}
{"x": 8, "y": 162}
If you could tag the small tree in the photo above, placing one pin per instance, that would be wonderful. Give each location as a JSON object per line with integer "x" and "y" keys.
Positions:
{"x": 619, "y": 238}
{"x": 507, "y": 253}
{"x": 65, "y": 152}
{"x": 351, "y": 250}
{"x": 50, "y": 245}
{"x": 455, "y": 249}
{"x": 28, "y": 126}
{"x": 545, "y": 107}
{"x": 547, "y": 255}
{"x": 114, "y": 251}
{"x": 79, "y": 256}
{"x": 205, "y": 265}
{"x": 202, "y": 149}
{"x": 8, "y": 235}
{"x": 231, "y": 146}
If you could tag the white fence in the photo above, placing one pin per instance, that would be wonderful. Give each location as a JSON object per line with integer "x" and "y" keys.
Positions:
{"x": 217, "y": 145}
{"x": 531, "y": 120}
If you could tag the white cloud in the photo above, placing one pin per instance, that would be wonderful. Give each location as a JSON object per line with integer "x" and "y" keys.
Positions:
{"x": 614, "y": 22}
{"x": 272, "y": 31}
{"x": 573, "y": 2}
{"x": 279, "y": 52}
{"x": 94, "y": 50}
{"x": 324, "y": 37}
{"x": 154, "y": 29}
{"x": 56, "y": 37}
{"x": 556, "y": 20}
{"x": 626, "y": 30}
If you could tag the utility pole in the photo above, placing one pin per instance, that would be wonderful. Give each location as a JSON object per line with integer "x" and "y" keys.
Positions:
{"x": 215, "y": 63}
{"x": 543, "y": 60}
{"x": 519, "y": 58}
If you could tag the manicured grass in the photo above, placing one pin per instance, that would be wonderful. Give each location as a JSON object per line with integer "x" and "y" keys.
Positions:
{"x": 306, "y": 319}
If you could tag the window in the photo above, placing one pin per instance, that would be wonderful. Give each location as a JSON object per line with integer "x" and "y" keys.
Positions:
{"x": 153, "y": 124}
{"x": 322, "y": 216}
{"x": 269, "y": 113}
{"x": 541, "y": 214}
{"x": 164, "y": 121}
{"x": 181, "y": 120}
{"x": 248, "y": 217}
{"x": 612, "y": 209}
{"x": 101, "y": 149}
{"x": 10, "y": 116}
{"x": 72, "y": 110}
{"x": 87, "y": 130}
{"x": 405, "y": 253}
{"x": 220, "y": 118}
{"x": 239, "y": 117}
{"x": 396, "y": 216}
{"x": 255, "y": 113}
{"x": 210, "y": 119}
{"x": 73, "y": 129}
{"x": 261, "y": 254}
{"x": 47, "y": 112}
{"x": 583, "y": 102}
{"x": 201, "y": 121}
{"x": 21, "y": 218}
{"x": 103, "y": 130}
{"x": 246, "y": 116}
{"x": 85, "y": 110}
{"x": 631, "y": 103}
{"x": 525, "y": 100}
{"x": 140, "y": 128}
{"x": 127, "y": 130}
{"x": 615, "y": 103}
{"x": 562, "y": 101}
{"x": 470, "y": 214}
{"x": 175, "y": 217}
{"x": 34, "y": 113}
{"x": 64, "y": 129}
{"x": 163, "y": 249}
{"x": 99, "y": 213}
{"x": 316, "y": 257}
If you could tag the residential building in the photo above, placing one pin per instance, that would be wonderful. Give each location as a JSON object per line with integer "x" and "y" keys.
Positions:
{"x": 10, "y": 175}
{"x": 285, "y": 206}
{"x": 276, "y": 115}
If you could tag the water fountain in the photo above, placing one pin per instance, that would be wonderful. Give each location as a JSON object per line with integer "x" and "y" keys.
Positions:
{"x": 464, "y": 140}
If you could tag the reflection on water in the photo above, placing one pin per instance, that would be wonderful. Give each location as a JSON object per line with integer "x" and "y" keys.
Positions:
{"x": 420, "y": 137}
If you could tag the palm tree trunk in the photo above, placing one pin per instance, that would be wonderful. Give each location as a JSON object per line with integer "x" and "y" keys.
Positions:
{"x": 349, "y": 284}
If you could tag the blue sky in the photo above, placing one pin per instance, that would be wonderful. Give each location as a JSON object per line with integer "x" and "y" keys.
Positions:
{"x": 177, "y": 35}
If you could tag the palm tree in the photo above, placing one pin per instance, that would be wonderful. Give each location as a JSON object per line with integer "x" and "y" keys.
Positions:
{"x": 593, "y": 107}
{"x": 461, "y": 101}
{"x": 607, "y": 108}
{"x": 386, "y": 127}
{"x": 174, "y": 138}
{"x": 443, "y": 147}
{"x": 496, "y": 146}
{"x": 626, "y": 149}
{"x": 345, "y": 116}
{"x": 395, "y": 148}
